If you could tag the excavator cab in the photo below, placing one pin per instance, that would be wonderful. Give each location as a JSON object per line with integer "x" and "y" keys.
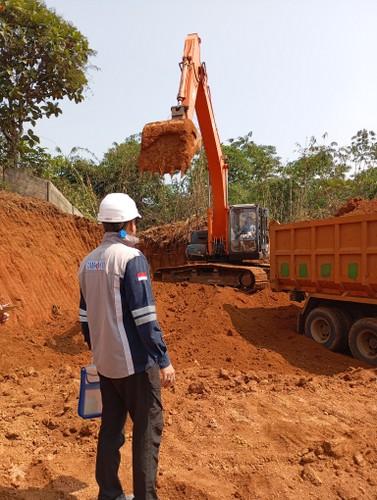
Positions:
{"x": 248, "y": 238}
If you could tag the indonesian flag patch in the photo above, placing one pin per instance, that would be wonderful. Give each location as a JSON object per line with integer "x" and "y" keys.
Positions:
{"x": 142, "y": 276}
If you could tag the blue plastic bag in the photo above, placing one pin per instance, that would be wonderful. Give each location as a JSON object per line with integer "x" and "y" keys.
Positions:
{"x": 90, "y": 401}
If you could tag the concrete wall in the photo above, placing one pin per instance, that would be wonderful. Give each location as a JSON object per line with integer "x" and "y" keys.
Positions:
{"x": 20, "y": 181}
{"x": 55, "y": 197}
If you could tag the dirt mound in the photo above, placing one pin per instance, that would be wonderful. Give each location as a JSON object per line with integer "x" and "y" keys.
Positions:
{"x": 37, "y": 240}
{"x": 358, "y": 206}
{"x": 166, "y": 245}
{"x": 258, "y": 412}
{"x": 168, "y": 146}
{"x": 40, "y": 251}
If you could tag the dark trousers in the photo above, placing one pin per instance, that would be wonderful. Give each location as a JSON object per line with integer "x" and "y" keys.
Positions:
{"x": 140, "y": 396}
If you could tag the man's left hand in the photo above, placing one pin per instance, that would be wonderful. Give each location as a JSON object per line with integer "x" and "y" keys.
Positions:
{"x": 4, "y": 316}
{"x": 167, "y": 376}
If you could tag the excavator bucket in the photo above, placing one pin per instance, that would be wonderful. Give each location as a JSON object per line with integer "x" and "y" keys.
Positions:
{"x": 168, "y": 146}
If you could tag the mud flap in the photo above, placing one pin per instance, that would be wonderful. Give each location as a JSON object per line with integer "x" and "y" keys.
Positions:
{"x": 300, "y": 325}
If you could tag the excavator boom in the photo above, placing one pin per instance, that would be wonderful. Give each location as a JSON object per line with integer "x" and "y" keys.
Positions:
{"x": 169, "y": 146}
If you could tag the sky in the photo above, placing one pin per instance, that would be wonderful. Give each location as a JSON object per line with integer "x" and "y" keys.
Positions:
{"x": 284, "y": 69}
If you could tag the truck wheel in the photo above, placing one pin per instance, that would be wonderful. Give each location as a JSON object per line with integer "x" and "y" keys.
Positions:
{"x": 328, "y": 326}
{"x": 362, "y": 340}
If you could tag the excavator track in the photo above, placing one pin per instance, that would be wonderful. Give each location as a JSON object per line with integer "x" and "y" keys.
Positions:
{"x": 246, "y": 278}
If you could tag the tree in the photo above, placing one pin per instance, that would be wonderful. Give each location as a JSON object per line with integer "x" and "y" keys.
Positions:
{"x": 118, "y": 172}
{"x": 198, "y": 185}
{"x": 252, "y": 169}
{"x": 316, "y": 179}
{"x": 43, "y": 59}
{"x": 363, "y": 150}
{"x": 73, "y": 175}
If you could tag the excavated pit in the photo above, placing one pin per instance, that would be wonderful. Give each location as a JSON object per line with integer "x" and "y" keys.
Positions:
{"x": 168, "y": 146}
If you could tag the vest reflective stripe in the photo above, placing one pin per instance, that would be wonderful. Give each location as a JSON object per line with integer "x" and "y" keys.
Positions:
{"x": 143, "y": 310}
{"x": 145, "y": 319}
{"x": 120, "y": 324}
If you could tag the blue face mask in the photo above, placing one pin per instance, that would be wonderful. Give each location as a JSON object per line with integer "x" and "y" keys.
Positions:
{"x": 122, "y": 234}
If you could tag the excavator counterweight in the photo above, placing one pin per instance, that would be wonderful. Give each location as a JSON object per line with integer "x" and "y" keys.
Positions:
{"x": 168, "y": 146}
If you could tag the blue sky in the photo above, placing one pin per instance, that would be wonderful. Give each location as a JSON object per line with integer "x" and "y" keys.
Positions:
{"x": 285, "y": 69}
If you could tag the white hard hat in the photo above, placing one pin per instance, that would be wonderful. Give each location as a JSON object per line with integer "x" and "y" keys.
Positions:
{"x": 117, "y": 207}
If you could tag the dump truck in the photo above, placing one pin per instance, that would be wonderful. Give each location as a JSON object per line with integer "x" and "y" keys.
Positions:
{"x": 231, "y": 251}
{"x": 331, "y": 265}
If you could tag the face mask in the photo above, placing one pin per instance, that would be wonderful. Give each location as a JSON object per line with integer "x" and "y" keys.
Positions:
{"x": 132, "y": 240}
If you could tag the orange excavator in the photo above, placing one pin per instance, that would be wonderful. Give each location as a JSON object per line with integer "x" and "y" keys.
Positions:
{"x": 231, "y": 251}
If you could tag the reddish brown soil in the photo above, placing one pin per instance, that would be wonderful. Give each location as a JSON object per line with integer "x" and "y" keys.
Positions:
{"x": 258, "y": 412}
{"x": 166, "y": 245}
{"x": 40, "y": 250}
{"x": 168, "y": 146}
{"x": 358, "y": 206}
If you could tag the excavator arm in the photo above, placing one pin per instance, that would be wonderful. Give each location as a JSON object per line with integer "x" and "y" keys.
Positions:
{"x": 171, "y": 144}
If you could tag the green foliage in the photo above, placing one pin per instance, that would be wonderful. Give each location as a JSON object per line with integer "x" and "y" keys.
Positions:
{"x": 86, "y": 181}
{"x": 118, "y": 172}
{"x": 312, "y": 186}
{"x": 42, "y": 60}
{"x": 316, "y": 180}
{"x": 196, "y": 186}
{"x": 363, "y": 150}
{"x": 162, "y": 200}
{"x": 365, "y": 183}
{"x": 72, "y": 175}
{"x": 254, "y": 171}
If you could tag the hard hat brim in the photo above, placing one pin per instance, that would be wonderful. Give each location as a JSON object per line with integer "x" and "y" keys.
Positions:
{"x": 117, "y": 219}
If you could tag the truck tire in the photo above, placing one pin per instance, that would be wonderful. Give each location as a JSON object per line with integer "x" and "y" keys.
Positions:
{"x": 328, "y": 326}
{"x": 362, "y": 340}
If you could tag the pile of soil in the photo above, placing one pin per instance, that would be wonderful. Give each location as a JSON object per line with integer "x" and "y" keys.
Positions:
{"x": 358, "y": 206}
{"x": 168, "y": 146}
{"x": 40, "y": 251}
{"x": 258, "y": 412}
{"x": 166, "y": 245}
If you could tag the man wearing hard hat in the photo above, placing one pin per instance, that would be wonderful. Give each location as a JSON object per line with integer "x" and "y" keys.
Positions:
{"x": 119, "y": 323}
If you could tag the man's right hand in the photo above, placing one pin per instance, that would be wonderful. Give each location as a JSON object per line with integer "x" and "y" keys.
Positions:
{"x": 167, "y": 376}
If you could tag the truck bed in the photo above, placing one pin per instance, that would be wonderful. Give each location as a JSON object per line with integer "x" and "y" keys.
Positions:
{"x": 336, "y": 256}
